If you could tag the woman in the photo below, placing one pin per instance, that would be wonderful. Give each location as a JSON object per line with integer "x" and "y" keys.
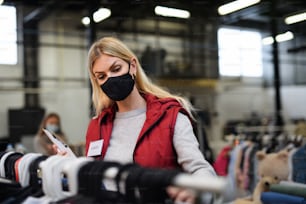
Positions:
{"x": 42, "y": 144}
{"x": 136, "y": 120}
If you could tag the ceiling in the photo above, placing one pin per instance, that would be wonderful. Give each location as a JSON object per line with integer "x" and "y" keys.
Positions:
{"x": 259, "y": 16}
{"x": 262, "y": 15}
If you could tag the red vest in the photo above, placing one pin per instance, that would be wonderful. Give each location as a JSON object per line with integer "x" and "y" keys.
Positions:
{"x": 154, "y": 147}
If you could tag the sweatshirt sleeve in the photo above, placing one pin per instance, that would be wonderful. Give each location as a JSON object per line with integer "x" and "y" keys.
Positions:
{"x": 186, "y": 145}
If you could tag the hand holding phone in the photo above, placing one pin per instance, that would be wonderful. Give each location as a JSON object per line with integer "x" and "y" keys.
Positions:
{"x": 62, "y": 147}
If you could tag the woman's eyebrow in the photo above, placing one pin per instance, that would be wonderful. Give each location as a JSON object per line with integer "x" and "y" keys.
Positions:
{"x": 98, "y": 72}
{"x": 112, "y": 65}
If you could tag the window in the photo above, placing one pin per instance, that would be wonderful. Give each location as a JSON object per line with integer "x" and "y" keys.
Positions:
{"x": 8, "y": 35}
{"x": 239, "y": 53}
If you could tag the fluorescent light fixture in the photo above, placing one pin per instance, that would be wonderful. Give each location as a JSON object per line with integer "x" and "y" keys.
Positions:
{"x": 279, "y": 38}
{"x": 235, "y": 6}
{"x": 98, "y": 16}
{"x": 86, "y": 20}
{"x": 284, "y": 36}
{"x": 101, "y": 14}
{"x": 295, "y": 18}
{"x": 1, "y": 2}
{"x": 267, "y": 40}
{"x": 171, "y": 12}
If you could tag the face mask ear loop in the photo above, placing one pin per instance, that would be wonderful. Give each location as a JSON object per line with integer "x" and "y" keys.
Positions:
{"x": 129, "y": 67}
{"x": 133, "y": 75}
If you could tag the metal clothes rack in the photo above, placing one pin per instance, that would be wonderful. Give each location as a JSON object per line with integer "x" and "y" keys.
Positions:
{"x": 200, "y": 184}
{"x": 194, "y": 182}
{"x": 54, "y": 167}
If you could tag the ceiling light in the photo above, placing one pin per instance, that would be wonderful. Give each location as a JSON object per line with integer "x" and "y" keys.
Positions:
{"x": 295, "y": 18}
{"x": 284, "y": 36}
{"x": 171, "y": 12}
{"x": 1, "y": 2}
{"x": 279, "y": 38}
{"x": 101, "y": 14}
{"x": 98, "y": 16}
{"x": 86, "y": 20}
{"x": 235, "y": 6}
{"x": 267, "y": 40}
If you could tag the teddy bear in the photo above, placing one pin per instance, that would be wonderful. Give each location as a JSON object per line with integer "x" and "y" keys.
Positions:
{"x": 272, "y": 168}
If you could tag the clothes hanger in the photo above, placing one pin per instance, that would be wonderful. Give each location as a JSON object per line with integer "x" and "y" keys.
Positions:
{"x": 2, "y": 163}
{"x": 91, "y": 182}
{"x": 34, "y": 170}
{"x": 71, "y": 170}
{"x": 9, "y": 165}
{"x": 91, "y": 177}
{"x": 23, "y": 168}
{"x": 52, "y": 178}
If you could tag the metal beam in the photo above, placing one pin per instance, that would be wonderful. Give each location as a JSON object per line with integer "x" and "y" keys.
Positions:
{"x": 277, "y": 80}
{"x": 30, "y": 64}
{"x": 43, "y": 11}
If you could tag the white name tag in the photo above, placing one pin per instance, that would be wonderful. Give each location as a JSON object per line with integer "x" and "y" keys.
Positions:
{"x": 95, "y": 148}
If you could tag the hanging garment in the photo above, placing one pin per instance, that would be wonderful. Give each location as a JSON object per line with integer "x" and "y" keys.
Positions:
{"x": 9, "y": 189}
{"x": 279, "y": 198}
{"x": 299, "y": 165}
{"x": 222, "y": 161}
{"x": 21, "y": 177}
{"x": 289, "y": 188}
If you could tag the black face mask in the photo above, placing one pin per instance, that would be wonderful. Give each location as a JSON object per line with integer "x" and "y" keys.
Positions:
{"x": 119, "y": 87}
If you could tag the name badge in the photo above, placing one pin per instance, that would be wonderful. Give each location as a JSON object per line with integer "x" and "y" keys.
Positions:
{"x": 95, "y": 148}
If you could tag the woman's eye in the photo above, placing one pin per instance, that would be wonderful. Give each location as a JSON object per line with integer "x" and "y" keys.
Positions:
{"x": 100, "y": 76}
{"x": 116, "y": 69}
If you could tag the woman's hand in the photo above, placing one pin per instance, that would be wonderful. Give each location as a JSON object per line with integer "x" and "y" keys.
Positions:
{"x": 56, "y": 150}
{"x": 181, "y": 195}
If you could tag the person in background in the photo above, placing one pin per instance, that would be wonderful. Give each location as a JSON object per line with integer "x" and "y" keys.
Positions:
{"x": 138, "y": 121}
{"x": 42, "y": 144}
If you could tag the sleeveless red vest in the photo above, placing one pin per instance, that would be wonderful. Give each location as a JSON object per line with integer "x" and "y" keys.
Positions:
{"x": 154, "y": 147}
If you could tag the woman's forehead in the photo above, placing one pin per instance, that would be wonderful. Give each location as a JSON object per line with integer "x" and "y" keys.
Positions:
{"x": 104, "y": 62}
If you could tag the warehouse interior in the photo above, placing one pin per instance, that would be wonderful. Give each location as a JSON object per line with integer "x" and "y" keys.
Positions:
{"x": 241, "y": 81}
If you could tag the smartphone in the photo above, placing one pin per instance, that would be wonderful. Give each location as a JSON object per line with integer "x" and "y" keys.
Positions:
{"x": 62, "y": 147}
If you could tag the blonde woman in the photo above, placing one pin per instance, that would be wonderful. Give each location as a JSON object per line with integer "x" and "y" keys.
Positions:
{"x": 136, "y": 120}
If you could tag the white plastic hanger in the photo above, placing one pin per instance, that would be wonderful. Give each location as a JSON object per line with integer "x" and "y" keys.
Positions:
{"x": 52, "y": 176}
{"x": 71, "y": 169}
{"x": 23, "y": 168}
{"x": 2, "y": 162}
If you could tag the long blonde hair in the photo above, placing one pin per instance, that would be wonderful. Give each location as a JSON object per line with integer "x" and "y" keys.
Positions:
{"x": 116, "y": 48}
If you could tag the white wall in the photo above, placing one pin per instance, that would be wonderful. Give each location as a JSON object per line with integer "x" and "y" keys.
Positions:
{"x": 11, "y": 95}
{"x": 72, "y": 104}
{"x": 64, "y": 85}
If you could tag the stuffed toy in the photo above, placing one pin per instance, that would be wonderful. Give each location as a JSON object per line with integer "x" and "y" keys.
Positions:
{"x": 272, "y": 168}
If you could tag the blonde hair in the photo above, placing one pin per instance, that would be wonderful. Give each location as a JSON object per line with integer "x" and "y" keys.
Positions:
{"x": 116, "y": 48}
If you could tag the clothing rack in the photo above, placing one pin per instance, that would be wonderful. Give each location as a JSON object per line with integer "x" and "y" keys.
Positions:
{"x": 184, "y": 180}
{"x": 264, "y": 128}
{"x": 53, "y": 169}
